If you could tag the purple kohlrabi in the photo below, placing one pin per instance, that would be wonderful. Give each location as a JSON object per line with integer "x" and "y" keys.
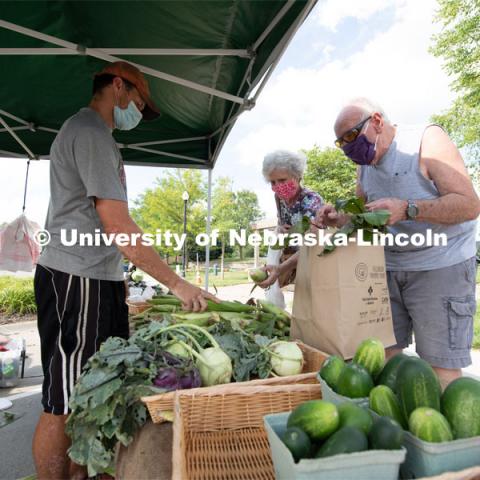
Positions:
{"x": 190, "y": 379}
{"x": 167, "y": 378}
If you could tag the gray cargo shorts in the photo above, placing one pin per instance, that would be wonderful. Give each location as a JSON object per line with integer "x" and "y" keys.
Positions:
{"x": 438, "y": 306}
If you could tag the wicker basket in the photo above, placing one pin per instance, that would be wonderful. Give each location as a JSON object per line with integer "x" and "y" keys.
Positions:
{"x": 160, "y": 406}
{"x": 219, "y": 433}
{"x": 136, "y": 308}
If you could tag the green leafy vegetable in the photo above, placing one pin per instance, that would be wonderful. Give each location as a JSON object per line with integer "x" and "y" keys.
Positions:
{"x": 351, "y": 205}
{"x": 360, "y": 218}
{"x": 297, "y": 230}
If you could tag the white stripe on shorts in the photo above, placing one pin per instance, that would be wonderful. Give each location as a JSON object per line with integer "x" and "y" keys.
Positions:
{"x": 78, "y": 370}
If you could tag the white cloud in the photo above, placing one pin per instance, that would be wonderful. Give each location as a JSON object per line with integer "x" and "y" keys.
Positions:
{"x": 12, "y": 187}
{"x": 299, "y": 106}
{"x": 331, "y": 12}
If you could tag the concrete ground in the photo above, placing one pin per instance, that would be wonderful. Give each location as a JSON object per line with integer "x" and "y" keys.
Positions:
{"x": 15, "y": 439}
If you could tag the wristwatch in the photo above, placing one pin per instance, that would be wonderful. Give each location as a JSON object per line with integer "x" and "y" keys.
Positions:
{"x": 412, "y": 210}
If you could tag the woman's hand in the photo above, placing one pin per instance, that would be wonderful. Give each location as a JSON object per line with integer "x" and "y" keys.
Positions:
{"x": 273, "y": 274}
{"x": 327, "y": 216}
{"x": 283, "y": 228}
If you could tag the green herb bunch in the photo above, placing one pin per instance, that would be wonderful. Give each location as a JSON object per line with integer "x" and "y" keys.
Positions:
{"x": 359, "y": 218}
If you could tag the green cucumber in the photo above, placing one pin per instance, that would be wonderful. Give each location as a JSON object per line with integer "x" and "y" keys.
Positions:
{"x": 352, "y": 415}
{"x": 354, "y": 381}
{"x": 388, "y": 375}
{"x": 461, "y": 407}
{"x": 331, "y": 369}
{"x": 417, "y": 386}
{"x": 371, "y": 354}
{"x": 344, "y": 440}
{"x": 298, "y": 442}
{"x": 386, "y": 404}
{"x": 317, "y": 418}
{"x": 386, "y": 434}
{"x": 430, "y": 425}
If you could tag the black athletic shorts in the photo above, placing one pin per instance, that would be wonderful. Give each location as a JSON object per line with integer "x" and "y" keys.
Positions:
{"x": 75, "y": 315}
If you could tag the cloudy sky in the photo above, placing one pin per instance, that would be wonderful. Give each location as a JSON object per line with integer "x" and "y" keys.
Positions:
{"x": 346, "y": 48}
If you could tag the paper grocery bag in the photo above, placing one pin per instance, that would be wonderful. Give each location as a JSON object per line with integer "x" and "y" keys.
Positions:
{"x": 341, "y": 299}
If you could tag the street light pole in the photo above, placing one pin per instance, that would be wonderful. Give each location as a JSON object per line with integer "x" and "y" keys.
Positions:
{"x": 185, "y": 198}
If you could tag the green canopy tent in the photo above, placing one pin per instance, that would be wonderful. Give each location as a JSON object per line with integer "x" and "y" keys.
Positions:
{"x": 206, "y": 63}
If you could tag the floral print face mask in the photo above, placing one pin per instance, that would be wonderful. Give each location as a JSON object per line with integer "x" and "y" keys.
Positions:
{"x": 286, "y": 190}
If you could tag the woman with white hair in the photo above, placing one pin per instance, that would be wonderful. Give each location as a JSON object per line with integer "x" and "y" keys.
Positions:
{"x": 284, "y": 171}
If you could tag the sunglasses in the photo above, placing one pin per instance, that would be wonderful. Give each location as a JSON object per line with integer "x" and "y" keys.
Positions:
{"x": 352, "y": 134}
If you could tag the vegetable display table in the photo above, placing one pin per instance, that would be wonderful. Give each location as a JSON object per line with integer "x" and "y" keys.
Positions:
{"x": 149, "y": 456}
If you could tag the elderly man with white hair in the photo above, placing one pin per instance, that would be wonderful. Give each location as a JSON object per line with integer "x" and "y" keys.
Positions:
{"x": 284, "y": 171}
{"x": 418, "y": 174}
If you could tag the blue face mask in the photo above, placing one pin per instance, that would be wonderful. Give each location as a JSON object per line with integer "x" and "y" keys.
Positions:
{"x": 126, "y": 118}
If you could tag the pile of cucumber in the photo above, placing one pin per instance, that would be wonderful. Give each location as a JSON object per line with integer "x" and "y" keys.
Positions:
{"x": 318, "y": 429}
{"x": 407, "y": 390}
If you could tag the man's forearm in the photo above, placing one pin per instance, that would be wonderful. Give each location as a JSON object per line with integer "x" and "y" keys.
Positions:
{"x": 145, "y": 257}
{"x": 447, "y": 210}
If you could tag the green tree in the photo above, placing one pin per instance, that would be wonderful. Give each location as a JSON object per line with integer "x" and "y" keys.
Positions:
{"x": 474, "y": 171}
{"x": 223, "y": 205}
{"x": 458, "y": 44}
{"x": 245, "y": 212}
{"x": 330, "y": 173}
{"x": 161, "y": 207}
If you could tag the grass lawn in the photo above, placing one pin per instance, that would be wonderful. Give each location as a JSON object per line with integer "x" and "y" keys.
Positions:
{"x": 231, "y": 278}
{"x": 476, "y": 330}
{"x": 15, "y": 282}
{"x": 16, "y": 296}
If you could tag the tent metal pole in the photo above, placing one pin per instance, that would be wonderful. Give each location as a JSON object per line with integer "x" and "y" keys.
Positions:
{"x": 110, "y": 58}
{"x": 190, "y": 166}
{"x": 7, "y": 154}
{"x": 159, "y": 152}
{"x": 13, "y": 117}
{"x": 282, "y": 46}
{"x": 170, "y": 78}
{"x": 46, "y": 129}
{"x": 193, "y": 52}
{"x": 15, "y": 136}
{"x": 15, "y": 129}
{"x": 164, "y": 142}
{"x": 37, "y": 51}
{"x": 255, "y": 46}
{"x": 273, "y": 24}
{"x": 251, "y": 102}
{"x": 208, "y": 229}
{"x": 225, "y": 125}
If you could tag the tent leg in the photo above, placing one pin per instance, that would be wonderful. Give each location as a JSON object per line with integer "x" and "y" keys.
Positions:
{"x": 209, "y": 218}
{"x": 256, "y": 253}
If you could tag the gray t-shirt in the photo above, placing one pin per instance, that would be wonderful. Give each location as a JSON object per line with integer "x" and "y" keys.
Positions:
{"x": 85, "y": 163}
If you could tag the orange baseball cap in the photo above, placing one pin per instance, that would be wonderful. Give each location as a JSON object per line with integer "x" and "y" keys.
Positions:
{"x": 133, "y": 75}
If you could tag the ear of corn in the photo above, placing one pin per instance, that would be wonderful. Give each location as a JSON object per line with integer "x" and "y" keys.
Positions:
{"x": 264, "y": 318}
{"x": 268, "y": 307}
{"x": 165, "y": 300}
{"x": 227, "y": 306}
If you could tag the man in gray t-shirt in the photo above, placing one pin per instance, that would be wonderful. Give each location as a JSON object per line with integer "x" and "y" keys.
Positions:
{"x": 79, "y": 290}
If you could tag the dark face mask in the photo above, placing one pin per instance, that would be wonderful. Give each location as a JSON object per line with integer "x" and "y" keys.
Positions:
{"x": 361, "y": 150}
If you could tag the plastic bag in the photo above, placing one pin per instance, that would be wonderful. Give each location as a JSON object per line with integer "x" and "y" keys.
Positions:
{"x": 18, "y": 250}
{"x": 10, "y": 363}
{"x": 274, "y": 293}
